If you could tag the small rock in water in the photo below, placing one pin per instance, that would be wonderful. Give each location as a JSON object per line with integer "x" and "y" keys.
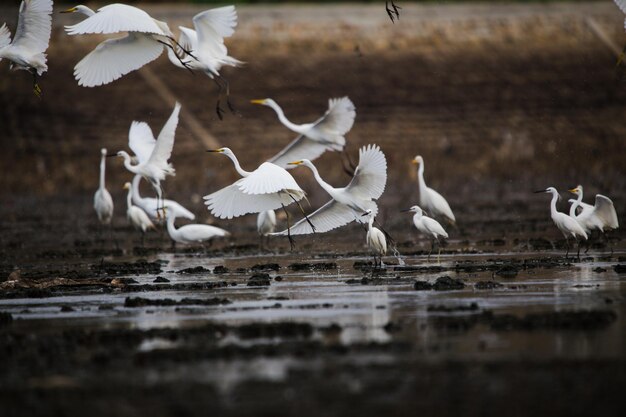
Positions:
{"x": 194, "y": 270}
{"x": 507, "y": 271}
{"x": 220, "y": 269}
{"x": 67, "y": 309}
{"x": 160, "y": 279}
{"x": 265, "y": 267}
{"x": 422, "y": 286}
{"x": 259, "y": 280}
{"x": 620, "y": 269}
{"x": 446, "y": 283}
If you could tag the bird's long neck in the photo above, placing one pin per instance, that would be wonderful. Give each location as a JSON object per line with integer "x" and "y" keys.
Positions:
{"x": 237, "y": 166}
{"x": 283, "y": 119}
{"x": 370, "y": 223}
{"x": 102, "y": 171}
{"x": 127, "y": 163}
{"x": 85, "y": 10}
{"x": 580, "y": 196}
{"x": 129, "y": 198}
{"x": 135, "y": 187}
{"x": 420, "y": 176}
{"x": 555, "y": 197}
{"x": 326, "y": 186}
{"x": 573, "y": 207}
{"x": 171, "y": 229}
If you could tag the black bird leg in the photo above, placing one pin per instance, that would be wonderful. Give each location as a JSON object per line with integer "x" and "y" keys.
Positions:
{"x": 303, "y": 213}
{"x": 292, "y": 243}
{"x": 36, "y": 88}
{"x": 183, "y": 63}
{"x": 393, "y": 14}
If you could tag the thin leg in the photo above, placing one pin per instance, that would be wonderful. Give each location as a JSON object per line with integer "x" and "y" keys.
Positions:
{"x": 36, "y": 88}
{"x": 393, "y": 12}
{"x": 143, "y": 234}
{"x": 183, "y": 63}
{"x": 567, "y": 245}
{"x": 303, "y": 213}
{"x": 578, "y": 252}
{"x": 291, "y": 241}
{"x": 432, "y": 247}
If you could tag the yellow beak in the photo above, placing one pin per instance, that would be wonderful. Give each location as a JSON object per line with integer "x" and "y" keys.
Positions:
{"x": 262, "y": 101}
{"x": 294, "y": 163}
{"x": 414, "y": 161}
{"x": 72, "y": 10}
{"x": 573, "y": 190}
{"x": 215, "y": 150}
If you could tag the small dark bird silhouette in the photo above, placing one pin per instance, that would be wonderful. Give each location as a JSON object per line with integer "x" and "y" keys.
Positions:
{"x": 394, "y": 12}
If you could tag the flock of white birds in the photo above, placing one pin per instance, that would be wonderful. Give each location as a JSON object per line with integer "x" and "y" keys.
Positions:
{"x": 269, "y": 186}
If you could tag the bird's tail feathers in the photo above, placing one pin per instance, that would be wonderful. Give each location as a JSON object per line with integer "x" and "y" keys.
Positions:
{"x": 5, "y": 36}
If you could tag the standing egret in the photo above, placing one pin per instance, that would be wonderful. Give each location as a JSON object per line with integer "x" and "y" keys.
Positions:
{"x": 102, "y": 201}
{"x": 207, "y": 44}
{"x": 429, "y": 199}
{"x": 326, "y": 133}
{"x": 600, "y": 216}
{"x": 268, "y": 187}
{"x": 350, "y": 202}
{"x": 27, "y": 50}
{"x": 375, "y": 239}
{"x": 567, "y": 225}
{"x": 429, "y": 227}
{"x": 152, "y": 155}
{"x": 265, "y": 223}
{"x": 136, "y": 216}
{"x": 146, "y": 37}
{"x": 190, "y": 233}
{"x": 152, "y": 205}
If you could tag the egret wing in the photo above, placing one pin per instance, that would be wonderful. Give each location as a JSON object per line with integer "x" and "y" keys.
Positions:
{"x": 231, "y": 202}
{"x": 165, "y": 142}
{"x": 188, "y": 39}
{"x": 328, "y": 217}
{"x": 5, "y": 36}
{"x": 370, "y": 177}
{"x": 114, "y": 58}
{"x": 605, "y": 211}
{"x": 200, "y": 232}
{"x": 212, "y": 26}
{"x": 439, "y": 205}
{"x": 621, "y": 4}
{"x": 300, "y": 148}
{"x": 141, "y": 140}
{"x": 269, "y": 178}
{"x": 116, "y": 18}
{"x": 339, "y": 117}
{"x": 34, "y": 25}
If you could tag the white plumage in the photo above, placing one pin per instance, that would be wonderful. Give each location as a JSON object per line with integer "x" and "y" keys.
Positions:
{"x": 350, "y": 202}
{"x": 600, "y": 216}
{"x": 102, "y": 201}
{"x": 269, "y": 187}
{"x": 27, "y": 50}
{"x": 152, "y": 205}
{"x": 266, "y": 222}
{"x": 136, "y": 216}
{"x": 326, "y": 133}
{"x": 428, "y": 226}
{"x": 190, "y": 233}
{"x": 375, "y": 239}
{"x": 567, "y": 225}
{"x": 429, "y": 199}
{"x": 622, "y": 6}
{"x": 146, "y": 37}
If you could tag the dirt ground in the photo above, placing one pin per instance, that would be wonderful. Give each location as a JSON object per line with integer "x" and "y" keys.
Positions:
{"x": 499, "y": 100}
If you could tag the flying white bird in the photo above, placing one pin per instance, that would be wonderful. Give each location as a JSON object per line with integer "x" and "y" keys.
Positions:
{"x": 567, "y": 225}
{"x": 326, "y": 133}
{"x": 102, "y": 201}
{"x": 146, "y": 37}
{"x": 375, "y": 239}
{"x": 207, "y": 44}
{"x": 429, "y": 199}
{"x": 27, "y": 50}
{"x": 136, "y": 216}
{"x": 190, "y": 233}
{"x": 429, "y": 227}
{"x": 152, "y": 205}
{"x": 350, "y": 202}
{"x": 152, "y": 155}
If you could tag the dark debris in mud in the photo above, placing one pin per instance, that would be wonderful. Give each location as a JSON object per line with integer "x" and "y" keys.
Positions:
{"x": 487, "y": 285}
{"x": 220, "y": 269}
{"x": 620, "y": 269}
{"x": 140, "y": 267}
{"x": 265, "y": 267}
{"x": 451, "y": 309}
{"x": 194, "y": 270}
{"x": 261, "y": 279}
{"x": 165, "y": 302}
{"x": 318, "y": 266}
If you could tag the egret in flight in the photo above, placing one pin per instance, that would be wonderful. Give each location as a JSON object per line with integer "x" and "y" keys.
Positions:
{"x": 152, "y": 155}
{"x": 136, "y": 216}
{"x": 350, "y": 202}
{"x": 102, "y": 201}
{"x": 430, "y": 200}
{"x": 27, "y": 50}
{"x": 429, "y": 227}
{"x": 207, "y": 44}
{"x": 146, "y": 37}
{"x": 268, "y": 187}
{"x": 152, "y": 205}
{"x": 375, "y": 239}
{"x": 567, "y": 225}
{"x": 190, "y": 233}
{"x": 326, "y": 133}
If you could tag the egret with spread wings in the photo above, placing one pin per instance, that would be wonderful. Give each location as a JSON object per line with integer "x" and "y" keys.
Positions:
{"x": 27, "y": 50}
{"x": 348, "y": 203}
{"x": 600, "y": 216}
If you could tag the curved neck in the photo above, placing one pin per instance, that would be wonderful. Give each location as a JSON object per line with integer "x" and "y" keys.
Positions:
{"x": 327, "y": 187}
{"x": 102, "y": 170}
{"x": 85, "y": 10}
{"x": 129, "y": 198}
{"x": 555, "y": 197}
{"x": 237, "y": 166}
{"x": 283, "y": 119}
{"x": 573, "y": 207}
{"x": 420, "y": 176}
{"x": 580, "y": 197}
{"x": 135, "y": 187}
{"x": 171, "y": 229}
{"x": 370, "y": 222}
{"x": 418, "y": 215}
{"x": 127, "y": 163}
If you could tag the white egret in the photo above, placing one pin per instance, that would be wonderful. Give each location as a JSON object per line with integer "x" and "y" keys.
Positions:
{"x": 146, "y": 37}
{"x": 429, "y": 199}
{"x": 102, "y": 201}
{"x": 152, "y": 205}
{"x": 567, "y": 225}
{"x": 265, "y": 223}
{"x": 326, "y": 133}
{"x": 207, "y": 44}
{"x": 136, "y": 216}
{"x": 268, "y": 187}
{"x": 350, "y": 202}
{"x": 152, "y": 155}
{"x": 375, "y": 239}
{"x": 190, "y": 233}
{"x": 428, "y": 226}
{"x": 27, "y": 50}
{"x": 600, "y": 216}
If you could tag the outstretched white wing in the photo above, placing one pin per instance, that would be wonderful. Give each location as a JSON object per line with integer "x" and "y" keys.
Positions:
{"x": 370, "y": 176}
{"x": 188, "y": 39}
{"x": 116, "y": 18}
{"x": 34, "y": 25}
{"x": 114, "y": 58}
{"x": 605, "y": 211}
{"x": 165, "y": 142}
{"x": 141, "y": 140}
{"x": 339, "y": 117}
{"x": 231, "y": 202}
{"x": 5, "y": 36}
{"x": 300, "y": 148}
{"x": 269, "y": 178}
{"x": 212, "y": 26}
